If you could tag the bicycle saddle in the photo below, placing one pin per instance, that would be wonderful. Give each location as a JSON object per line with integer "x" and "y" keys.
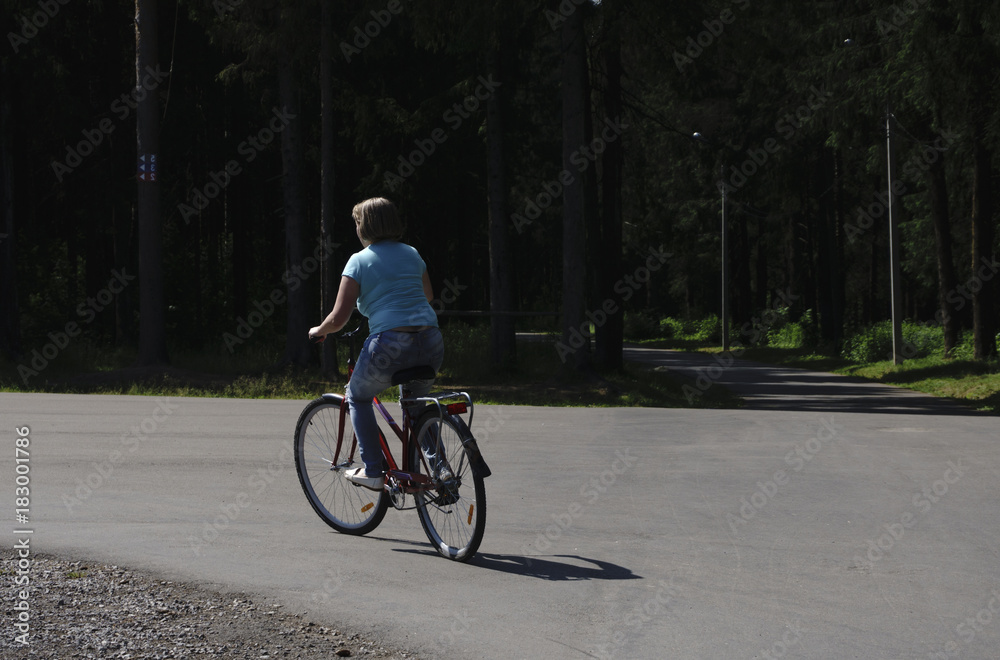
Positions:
{"x": 423, "y": 372}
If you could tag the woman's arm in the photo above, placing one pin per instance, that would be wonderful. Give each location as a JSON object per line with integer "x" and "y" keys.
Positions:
{"x": 347, "y": 298}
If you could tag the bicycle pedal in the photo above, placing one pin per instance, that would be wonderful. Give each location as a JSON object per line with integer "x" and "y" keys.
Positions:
{"x": 375, "y": 490}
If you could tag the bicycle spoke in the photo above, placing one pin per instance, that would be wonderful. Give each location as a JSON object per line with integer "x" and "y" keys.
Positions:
{"x": 453, "y": 515}
{"x": 322, "y": 428}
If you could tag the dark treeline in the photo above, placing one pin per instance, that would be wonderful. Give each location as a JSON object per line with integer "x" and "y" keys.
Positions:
{"x": 542, "y": 153}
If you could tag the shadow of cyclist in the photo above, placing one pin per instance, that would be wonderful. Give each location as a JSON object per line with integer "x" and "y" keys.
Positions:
{"x": 545, "y": 567}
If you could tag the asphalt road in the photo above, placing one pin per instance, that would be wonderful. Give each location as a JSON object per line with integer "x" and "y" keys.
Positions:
{"x": 627, "y": 533}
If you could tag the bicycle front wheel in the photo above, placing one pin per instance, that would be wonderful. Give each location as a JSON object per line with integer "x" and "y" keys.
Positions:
{"x": 453, "y": 514}
{"x": 325, "y": 448}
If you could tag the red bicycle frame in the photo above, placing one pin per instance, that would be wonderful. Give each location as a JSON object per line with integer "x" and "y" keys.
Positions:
{"x": 409, "y": 481}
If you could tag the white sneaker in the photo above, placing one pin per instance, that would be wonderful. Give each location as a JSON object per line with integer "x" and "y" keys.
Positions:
{"x": 358, "y": 477}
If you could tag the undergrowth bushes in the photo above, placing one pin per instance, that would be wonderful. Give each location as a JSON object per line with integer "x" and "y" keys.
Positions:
{"x": 774, "y": 329}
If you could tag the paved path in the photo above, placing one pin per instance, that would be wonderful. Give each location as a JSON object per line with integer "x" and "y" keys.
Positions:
{"x": 771, "y": 387}
{"x": 624, "y": 533}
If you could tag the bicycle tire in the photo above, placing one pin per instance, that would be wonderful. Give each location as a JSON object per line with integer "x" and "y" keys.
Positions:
{"x": 453, "y": 515}
{"x": 347, "y": 508}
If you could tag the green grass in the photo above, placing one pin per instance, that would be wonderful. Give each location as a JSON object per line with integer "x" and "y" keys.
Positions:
{"x": 539, "y": 378}
{"x": 964, "y": 380}
{"x": 970, "y": 382}
{"x": 967, "y": 381}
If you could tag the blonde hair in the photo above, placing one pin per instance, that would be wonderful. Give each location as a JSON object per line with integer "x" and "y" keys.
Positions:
{"x": 377, "y": 220}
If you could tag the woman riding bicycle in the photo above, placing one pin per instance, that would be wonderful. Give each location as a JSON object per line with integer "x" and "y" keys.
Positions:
{"x": 388, "y": 282}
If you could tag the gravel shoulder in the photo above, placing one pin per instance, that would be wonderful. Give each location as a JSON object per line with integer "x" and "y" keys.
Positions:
{"x": 89, "y": 610}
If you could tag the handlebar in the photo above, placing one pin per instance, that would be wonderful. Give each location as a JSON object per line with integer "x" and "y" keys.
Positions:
{"x": 320, "y": 340}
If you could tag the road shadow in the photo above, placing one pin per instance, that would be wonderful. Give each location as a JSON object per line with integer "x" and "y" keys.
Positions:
{"x": 548, "y": 567}
{"x": 773, "y": 387}
{"x": 542, "y": 567}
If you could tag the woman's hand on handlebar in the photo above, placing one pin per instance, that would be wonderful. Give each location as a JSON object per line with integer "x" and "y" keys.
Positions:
{"x": 314, "y": 335}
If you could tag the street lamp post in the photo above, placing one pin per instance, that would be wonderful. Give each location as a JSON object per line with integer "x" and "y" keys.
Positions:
{"x": 725, "y": 261}
{"x": 894, "y": 272}
{"x": 895, "y": 281}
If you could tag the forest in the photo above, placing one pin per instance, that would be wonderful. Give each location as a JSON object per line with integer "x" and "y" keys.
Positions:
{"x": 179, "y": 175}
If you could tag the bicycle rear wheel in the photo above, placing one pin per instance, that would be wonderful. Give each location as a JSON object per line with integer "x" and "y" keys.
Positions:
{"x": 325, "y": 448}
{"x": 453, "y": 514}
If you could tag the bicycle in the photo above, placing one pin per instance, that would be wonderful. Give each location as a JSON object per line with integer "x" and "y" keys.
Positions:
{"x": 442, "y": 467}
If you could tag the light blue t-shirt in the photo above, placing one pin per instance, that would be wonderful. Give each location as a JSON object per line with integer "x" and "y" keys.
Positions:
{"x": 390, "y": 275}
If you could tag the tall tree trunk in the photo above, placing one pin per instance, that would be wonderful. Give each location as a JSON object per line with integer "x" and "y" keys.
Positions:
{"x": 791, "y": 244}
{"x": 152, "y": 308}
{"x": 502, "y": 336}
{"x": 941, "y": 216}
{"x": 297, "y": 349}
{"x": 575, "y": 346}
{"x": 828, "y": 267}
{"x": 980, "y": 64}
{"x": 124, "y": 258}
{"x": 984, "y": 318}
{"x": 10, "y": 326}
{"x": 760, "y": 295}
{"x": 872, "y": 308}
{"x": 593, "y": 245}
{"x": 329, "y": 282}
{"x": 240, "y": 219}
{"x": 740, "y": 284}
{"x": 610, "y": 335}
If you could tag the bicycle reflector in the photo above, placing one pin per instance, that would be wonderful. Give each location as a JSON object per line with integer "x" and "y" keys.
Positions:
{"x": 457, "y": 408}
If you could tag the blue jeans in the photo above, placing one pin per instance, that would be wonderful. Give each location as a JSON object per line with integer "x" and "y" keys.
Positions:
{"x": 381, "y": 356}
